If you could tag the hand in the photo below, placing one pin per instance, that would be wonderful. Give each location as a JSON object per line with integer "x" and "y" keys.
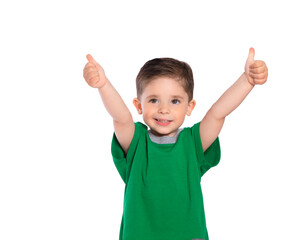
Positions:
{"x": 256, "y": 71}
{"x": 93, "y": 73}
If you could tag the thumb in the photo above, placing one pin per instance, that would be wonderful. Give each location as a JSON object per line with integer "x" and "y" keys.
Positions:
{"x": 250, "y": 59}
{"x": 92, "y": 60}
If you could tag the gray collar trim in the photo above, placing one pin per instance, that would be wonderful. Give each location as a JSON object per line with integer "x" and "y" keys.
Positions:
{"x": 164, "y": 139}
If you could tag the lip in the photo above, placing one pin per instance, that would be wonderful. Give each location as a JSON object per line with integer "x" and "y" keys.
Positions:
{"x": 162, "y": 122}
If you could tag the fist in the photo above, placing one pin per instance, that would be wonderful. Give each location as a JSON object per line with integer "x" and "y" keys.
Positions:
{"x": 93, "y": 73}
{"x": 256, "y": 71}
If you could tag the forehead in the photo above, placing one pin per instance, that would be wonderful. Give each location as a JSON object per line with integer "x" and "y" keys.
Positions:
{"x": 164, "y": 86}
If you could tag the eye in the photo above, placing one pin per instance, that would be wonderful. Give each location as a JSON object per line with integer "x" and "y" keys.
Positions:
{"x": 153, "y": 100}
{"x": 175, "y": 101}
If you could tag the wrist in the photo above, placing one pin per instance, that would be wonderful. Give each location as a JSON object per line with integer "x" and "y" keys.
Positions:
{"x": 248, "y": 79}
{"x": 105, "y": 83}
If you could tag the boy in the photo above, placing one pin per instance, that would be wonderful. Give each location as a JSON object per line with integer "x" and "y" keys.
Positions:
{"x": 162, "y": 167}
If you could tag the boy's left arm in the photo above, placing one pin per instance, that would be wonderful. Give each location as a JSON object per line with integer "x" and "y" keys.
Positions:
{"x": 256, "y": 72}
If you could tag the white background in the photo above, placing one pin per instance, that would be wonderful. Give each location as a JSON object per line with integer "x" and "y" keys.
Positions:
{"x": 57, "y": 177}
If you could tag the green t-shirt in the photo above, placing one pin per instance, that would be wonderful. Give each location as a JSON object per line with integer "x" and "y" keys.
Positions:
{"x": 163, "y": 197}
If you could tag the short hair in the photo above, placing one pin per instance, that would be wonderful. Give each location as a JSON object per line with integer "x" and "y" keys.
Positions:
{"x": 166, "y": 67}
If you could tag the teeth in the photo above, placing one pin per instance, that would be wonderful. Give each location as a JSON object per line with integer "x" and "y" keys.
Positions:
{"x": 163, "y": 121}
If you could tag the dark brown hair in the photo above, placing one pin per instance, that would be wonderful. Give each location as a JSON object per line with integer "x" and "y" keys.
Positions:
{"x": 166, "y": 67}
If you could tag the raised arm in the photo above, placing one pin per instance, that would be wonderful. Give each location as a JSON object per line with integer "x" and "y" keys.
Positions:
{"x": 256, "y": 72}
{"x": 123, "y": 123}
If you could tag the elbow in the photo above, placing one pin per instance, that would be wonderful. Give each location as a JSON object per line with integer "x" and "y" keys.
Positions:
{"x": 216, "y": 115}
{"x": 124, "y": 119}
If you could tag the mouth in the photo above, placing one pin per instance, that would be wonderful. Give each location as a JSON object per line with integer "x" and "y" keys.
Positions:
{"x": 162, "y": 122}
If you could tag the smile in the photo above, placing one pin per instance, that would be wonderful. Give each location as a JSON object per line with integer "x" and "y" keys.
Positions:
{"x": 162, "y": 122}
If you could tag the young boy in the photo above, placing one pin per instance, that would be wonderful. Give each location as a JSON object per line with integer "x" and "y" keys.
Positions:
{"x": 162, "y": 167}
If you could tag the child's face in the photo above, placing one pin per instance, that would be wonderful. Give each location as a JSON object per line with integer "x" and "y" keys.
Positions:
{"x": 164, "y": 104}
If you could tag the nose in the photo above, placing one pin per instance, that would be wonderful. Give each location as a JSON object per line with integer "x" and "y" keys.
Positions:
{"x": 163, "y": 108}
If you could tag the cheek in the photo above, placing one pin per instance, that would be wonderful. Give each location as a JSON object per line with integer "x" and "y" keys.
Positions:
{"x": 182, "y": 110}
{"x": 184, "y": 113}
{"x": 147, "y": 110}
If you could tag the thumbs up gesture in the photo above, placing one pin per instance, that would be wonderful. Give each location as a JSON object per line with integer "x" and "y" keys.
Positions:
{"x": 256, "y": 71}
{"x": 93, "y": 73}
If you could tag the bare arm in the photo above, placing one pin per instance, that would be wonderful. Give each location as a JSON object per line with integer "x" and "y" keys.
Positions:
{"x": 122, "y": 119}
{"x": 213, "y": 121}
{"x": 232, "y": 98}
{"x": 256, "y": 72}
{"x": 114, "y": 104}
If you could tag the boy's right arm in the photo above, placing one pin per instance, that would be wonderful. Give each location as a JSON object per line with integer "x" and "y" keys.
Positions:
{"x": 115, "y": 106}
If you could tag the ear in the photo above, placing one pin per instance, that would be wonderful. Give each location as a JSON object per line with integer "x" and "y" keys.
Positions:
{"x": 138, "y": 105}
{"x": 190, "y": 108}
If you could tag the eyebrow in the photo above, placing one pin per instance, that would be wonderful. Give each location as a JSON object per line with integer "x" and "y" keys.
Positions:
{"x": 152, "y": 96}
{"x": 173, "y": 96}
{"x": 177, "y": 96}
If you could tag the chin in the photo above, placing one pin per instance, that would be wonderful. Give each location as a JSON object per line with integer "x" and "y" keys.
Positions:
{"x": 163, "y": 132}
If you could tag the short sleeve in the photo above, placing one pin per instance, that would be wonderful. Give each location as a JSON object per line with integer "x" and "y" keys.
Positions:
{"x": 211, "y": 157}
{"x": 122, "y": 160}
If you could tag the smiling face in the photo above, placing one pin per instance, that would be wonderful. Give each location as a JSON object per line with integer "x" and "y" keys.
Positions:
{"x": 164, "y": 104}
